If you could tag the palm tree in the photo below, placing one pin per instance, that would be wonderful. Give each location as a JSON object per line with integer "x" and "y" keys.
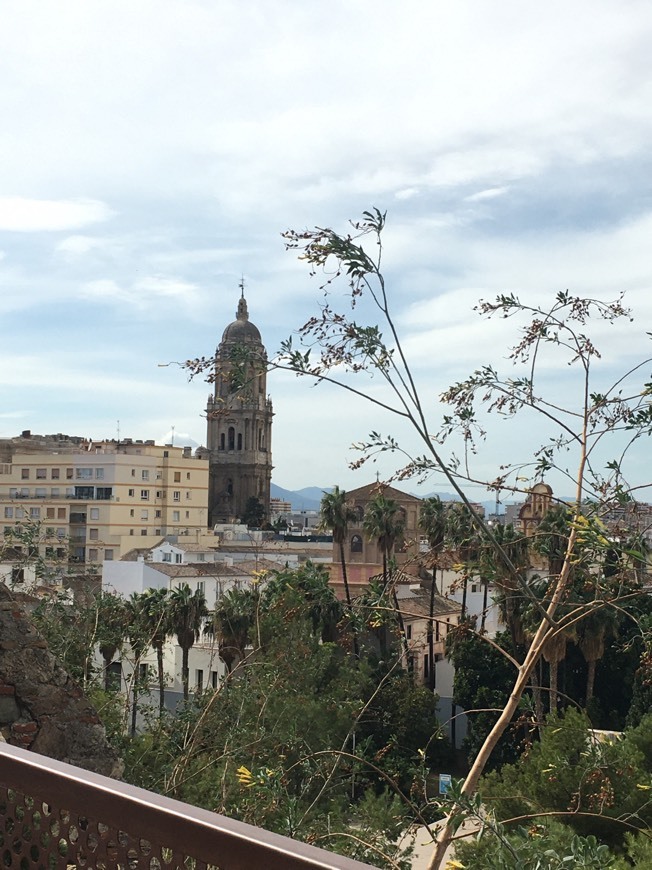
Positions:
{"x": 187, "y": 613}
{"x": 462, "y": 534}
{"x": 551, "y": 540}
{"x": 155, "y": 605}
{"x": 432, "y": 521}
{"x": 336, "y": 514}
{"x": 139, "y": 641}
{"x": 111, "y": 623}
{"x": 383, "y": 522}
{"x": 233, "y": 619}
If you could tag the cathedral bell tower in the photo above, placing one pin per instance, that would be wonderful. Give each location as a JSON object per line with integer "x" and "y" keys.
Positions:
{"x": 239, "y": 415}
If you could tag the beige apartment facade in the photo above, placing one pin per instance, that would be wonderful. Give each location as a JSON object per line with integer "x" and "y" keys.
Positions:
{"x": 92, "y": 500}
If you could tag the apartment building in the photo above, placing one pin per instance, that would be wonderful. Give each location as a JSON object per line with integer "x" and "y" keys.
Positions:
{"x": 92, "y": 498}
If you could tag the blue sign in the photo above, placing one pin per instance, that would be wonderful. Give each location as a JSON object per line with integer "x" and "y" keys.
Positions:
{"x": 444, "y": 783}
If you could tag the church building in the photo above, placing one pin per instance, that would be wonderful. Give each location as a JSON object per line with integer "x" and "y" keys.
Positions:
{"x": 239, "y": 415}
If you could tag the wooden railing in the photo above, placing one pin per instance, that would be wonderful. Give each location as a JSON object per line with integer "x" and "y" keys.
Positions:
{"x": 54, "y": 815}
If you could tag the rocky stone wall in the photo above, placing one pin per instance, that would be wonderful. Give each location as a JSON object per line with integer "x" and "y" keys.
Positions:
{"x": 41, "y": 707}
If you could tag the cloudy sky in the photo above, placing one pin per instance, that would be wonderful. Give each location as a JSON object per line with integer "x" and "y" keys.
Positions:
{"x": 152, "y": 152}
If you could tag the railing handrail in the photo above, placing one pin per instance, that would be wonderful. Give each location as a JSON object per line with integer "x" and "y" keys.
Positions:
{"x": 204, "y": 835}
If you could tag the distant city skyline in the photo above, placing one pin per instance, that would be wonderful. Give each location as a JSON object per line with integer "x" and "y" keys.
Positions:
{"x": 153, "y": 153}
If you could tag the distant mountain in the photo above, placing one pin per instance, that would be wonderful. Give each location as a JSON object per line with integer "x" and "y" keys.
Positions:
{"x": 309, "y": 498}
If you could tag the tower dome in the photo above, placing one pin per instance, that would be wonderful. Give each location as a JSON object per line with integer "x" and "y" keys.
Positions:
{"x": 242, "y": 329}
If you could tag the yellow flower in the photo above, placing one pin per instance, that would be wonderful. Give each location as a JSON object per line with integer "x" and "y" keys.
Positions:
{"x": 245, "y": 776}
{"x": 455, "y": 865}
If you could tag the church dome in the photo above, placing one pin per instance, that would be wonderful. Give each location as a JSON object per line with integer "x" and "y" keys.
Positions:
{"x": 242, "y": 329}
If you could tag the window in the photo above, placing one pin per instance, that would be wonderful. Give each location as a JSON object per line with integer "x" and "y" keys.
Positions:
{"x": 131, "y": 531}
{"x": 103, "y": 493}
{"x": 157, "y": 531}
{"x": 94, "y": 534}
{"x": 143, "y": 532}
{"x": 201, "y": 586}
{"x": 199, "y": 680}
{"x": 201, "y": 557}
{"x": 39, "y": 492}
{"x": 13, "y": 492}
{"x": 187, "y": 475}
{"x": 41, "y": 473}
{"x": 95, "y": 513}
{"x": 157, "y": 514}
{"x": 84, "y": 474}
{"x": 132, "y": 492}
{"x": 214, "y": 679}
{"x": 222, "y": 441}
{"x": 231, "y": 438}
{"x": 49, "y": 513}
{"x": 167, "y": 557}
{"x": 9, "y": 512}
{"x": 176, "y": 495}
{"x": 176, "y": 516}
{"x": 54, "y": 492}
{"x": 20, "y": 513}
{"x": 7, "y": 530}
{"x": 61, "y": 533}
{"x": 144, "y": 474}
{"x": 35, "y": 513}
{"x": 142, "y": 673}
{"x": 132, "y": 513}
{"x": 92, "y": 555}
{"x": 188, "y": 494}
{"x": 133, "y": 472}
{"x": 408, "y": 632}
{"x": 54, "y": 473}
{"x": 108, "y": 555}
{"x": 24, "y": 474}
{"x": 177, "y": 476}
{"x": 239, "y": 440}
{"x": 144, "y": 494}
{"x": 144, "y": 515}
{"x": 187, "y": 515}
{"x": 178, "y": 558}
{"x": 158, "y": 493}
{"x": 70, "y": 473}
{"x": 99, "y": 474}
{"x": 356, "y": 544}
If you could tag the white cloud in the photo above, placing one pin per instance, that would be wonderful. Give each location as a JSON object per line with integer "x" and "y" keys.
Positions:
{"x": 143, "y": 293}
{"x": 490, "y": 193}
{"x": 78, "y": 245}
{"x": 19, "y": 214}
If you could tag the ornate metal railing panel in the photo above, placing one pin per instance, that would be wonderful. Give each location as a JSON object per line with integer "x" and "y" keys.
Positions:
{"x": 54, "y": 815}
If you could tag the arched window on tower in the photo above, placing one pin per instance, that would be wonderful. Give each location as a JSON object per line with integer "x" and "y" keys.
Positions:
{"x": 222, "y": 441}
{"x": 356, "y": 544}
{"x": 239, "y": 440}
{"x": 231, "y": 438}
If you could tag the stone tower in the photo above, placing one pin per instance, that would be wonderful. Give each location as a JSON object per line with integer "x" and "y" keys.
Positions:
{"x": 239, "y": 415}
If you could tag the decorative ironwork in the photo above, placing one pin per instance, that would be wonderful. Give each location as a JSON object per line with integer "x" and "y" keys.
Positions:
{"x": 54, "y": 815}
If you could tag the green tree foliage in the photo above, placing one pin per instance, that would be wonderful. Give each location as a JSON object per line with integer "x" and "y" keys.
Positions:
{"x": 483, "y": 679}
{"x": 599, "y": 788}
{"x": 254, "y": 513}
{"x": 302, "y": 739}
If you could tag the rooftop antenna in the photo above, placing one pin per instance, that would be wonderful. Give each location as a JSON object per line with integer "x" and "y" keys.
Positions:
{"x": 172, "y": 441}
{"x": 118, "y": 430}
